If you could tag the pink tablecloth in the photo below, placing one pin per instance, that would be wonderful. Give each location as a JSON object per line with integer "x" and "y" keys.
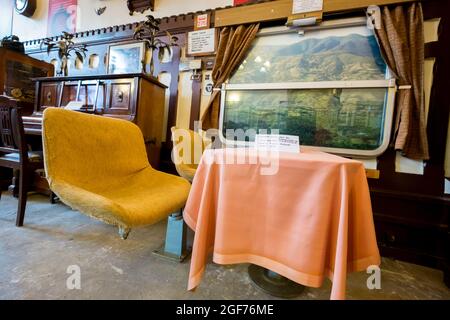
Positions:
{"x": 311, "y": 220}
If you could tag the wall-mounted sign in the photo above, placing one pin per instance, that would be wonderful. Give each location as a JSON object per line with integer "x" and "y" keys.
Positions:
{"x": 201, "y": 42}
{"x": 62, "y": 16}
{"x": 207, "y": 83}
{"x": 202, "y": 21}
{"x": 238, "y": 2}
{"x": 304, "y": 6}
{"x": 209, "y": 63}
{"x": 305, "y": 12}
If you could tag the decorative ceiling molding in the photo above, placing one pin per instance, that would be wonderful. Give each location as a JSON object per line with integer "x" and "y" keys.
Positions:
{"x": 174, "y": 24}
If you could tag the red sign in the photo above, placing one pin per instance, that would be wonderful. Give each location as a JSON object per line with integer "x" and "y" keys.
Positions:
{"x": 202, "y": 21}
{"x": 236, "y": 2}
{"x": 62, "y": 16}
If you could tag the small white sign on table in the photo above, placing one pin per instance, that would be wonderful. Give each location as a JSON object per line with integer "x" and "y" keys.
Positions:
{"x": 282, "y": 143}
{"x": 305, "y": 6}
{"x": 201, "y": 42}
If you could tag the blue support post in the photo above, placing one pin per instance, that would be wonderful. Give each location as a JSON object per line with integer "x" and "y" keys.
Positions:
{"x": 175, "y": 247}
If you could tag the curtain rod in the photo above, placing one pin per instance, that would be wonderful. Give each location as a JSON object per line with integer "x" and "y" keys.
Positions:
{"x": 332, "y": 24}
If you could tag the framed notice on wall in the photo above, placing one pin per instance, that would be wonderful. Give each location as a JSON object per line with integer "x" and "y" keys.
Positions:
{"x": 62, "y": 16}
{"x": 304, "y": 6}
{"x": 202, "y": 42}
{"x": 202, "y": 21}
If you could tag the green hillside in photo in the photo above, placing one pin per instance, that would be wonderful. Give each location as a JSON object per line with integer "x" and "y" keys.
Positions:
{"x": 337, "y": 118}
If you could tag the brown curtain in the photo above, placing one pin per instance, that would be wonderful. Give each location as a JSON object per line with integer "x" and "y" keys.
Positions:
{"x": 402, "y": 44}
{"x": 234, "y": 43}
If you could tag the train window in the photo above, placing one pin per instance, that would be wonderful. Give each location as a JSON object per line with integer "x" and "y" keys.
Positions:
{"x": 329, "y": 86}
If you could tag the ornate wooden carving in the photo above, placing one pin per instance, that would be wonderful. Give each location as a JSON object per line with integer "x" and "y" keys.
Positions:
{"x": 140, "y": 5}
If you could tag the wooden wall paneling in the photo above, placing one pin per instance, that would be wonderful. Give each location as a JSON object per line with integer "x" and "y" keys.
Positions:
{"x": 196, "y": 102}
{"x": 166, "y": 79}
{"x": 439, "y": 104}
{"x": 199, "y": 101}
{"x": 411, "y": 211}
{"x": 151, "y": 119}
{"x": 440, "y": 108}
{"x": 99, "y": 40}
{"x": 431, "y": 183}
{"x": 281, "y": 9}
{"x": 173, "y": 69}
{"x": 183, "y": 116}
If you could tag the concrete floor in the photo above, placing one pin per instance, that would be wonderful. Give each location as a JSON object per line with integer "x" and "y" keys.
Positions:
{"x": 34, "y": 260}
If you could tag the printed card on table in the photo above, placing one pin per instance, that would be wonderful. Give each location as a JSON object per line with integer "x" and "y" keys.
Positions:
{"x": 282, "y": 143}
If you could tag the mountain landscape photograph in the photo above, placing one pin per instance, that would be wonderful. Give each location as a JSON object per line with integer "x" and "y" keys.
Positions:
{"x": 337, "y": 118}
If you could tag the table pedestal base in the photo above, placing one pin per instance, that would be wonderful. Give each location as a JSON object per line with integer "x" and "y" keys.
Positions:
{"x": 273, "y": 283}
{"x": 175, "y": 247}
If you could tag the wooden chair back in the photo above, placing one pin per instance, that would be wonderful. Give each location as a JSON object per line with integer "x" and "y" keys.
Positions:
{"x": 12, "y": 134}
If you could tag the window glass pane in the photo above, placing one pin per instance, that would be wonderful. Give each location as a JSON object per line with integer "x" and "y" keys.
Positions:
{"x": 336, "y": 118}
{"x": 350, "y": 53}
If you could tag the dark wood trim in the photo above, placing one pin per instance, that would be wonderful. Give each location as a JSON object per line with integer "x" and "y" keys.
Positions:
{"x": 173, "y": 69}
{"x": 411, "y": 212}
{"x": 196, "y": 102}
{"x": 412, "y": 196}
{"x": 431, "y": 49}
{"x": 99, "y": 40}
{"x": 140, "y": 6}
{"x": 118, "y": 33}
{"x": 104, "y": 77}
{"x": 282, "y": 9}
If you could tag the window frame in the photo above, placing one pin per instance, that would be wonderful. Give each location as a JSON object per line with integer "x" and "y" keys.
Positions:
{"x": 389, "y": 84}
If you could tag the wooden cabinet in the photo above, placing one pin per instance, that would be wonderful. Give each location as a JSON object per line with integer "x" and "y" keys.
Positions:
{"x": 16, "y": 71}
{"x": 132, "y": 97}
{"x": 48, "y": 95}
{"x": 121, "y": 96}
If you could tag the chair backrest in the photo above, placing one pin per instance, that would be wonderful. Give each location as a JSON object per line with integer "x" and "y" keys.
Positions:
{"x": 188, "y": 146}
{"x": 90, "y": 151}
{"x": 12, "y": 135}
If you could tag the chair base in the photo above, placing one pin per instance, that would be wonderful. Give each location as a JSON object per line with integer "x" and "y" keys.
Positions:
{"x": 175, "y": 247}
{"x": 124, "y": 233}
{"x": 273, "y": 283}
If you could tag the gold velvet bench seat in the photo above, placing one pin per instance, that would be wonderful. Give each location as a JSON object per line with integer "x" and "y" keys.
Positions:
{"x": 99, "y": 166}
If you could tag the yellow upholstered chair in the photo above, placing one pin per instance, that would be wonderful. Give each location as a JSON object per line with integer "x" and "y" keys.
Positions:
{"x": 196, "y": 143}
{"x": 99, "y": 166}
